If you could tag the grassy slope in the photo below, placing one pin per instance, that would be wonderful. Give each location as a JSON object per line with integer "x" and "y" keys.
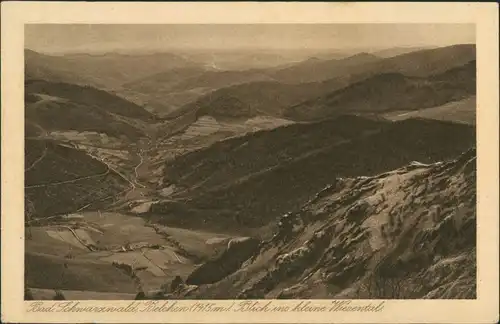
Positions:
{"x": 462, "y": 111}
{"x": 232, "y": 186}
{"x": 112, "y": 230}
{"x": 410, "y": 233}
{"x": 44, "y": 271}
{"x": 63, "y": 106}
{"x": 48, "y": 294}
{"x": 62, "y": 163}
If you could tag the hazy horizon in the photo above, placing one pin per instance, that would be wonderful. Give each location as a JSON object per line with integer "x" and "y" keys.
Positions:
{"x": 64, "y": 38}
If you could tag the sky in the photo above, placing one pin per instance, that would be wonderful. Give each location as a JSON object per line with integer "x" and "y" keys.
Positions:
{"x": 60, "y": 38}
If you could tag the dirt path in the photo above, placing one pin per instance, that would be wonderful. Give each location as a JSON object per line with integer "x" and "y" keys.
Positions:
{"x": 67, "y": 181}
{"x": 44, "y": 153}
{"x": 44, "y": 133}
{"x": 138, "y": 165}
{"x": 77, "y": 237}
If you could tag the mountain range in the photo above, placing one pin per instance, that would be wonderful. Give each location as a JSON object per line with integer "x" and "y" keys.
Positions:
{"x": 392, "y": 91}
{"x": 250, "y": 175}
{"x": 181, "y": 82}
{"x": 107, "y": 70}
{"x": 377, "y": 83}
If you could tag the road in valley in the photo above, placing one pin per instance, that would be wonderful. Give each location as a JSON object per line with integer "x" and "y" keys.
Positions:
{"x": 135, "y": 190}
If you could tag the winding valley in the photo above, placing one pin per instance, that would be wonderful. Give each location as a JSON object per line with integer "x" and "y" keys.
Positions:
{"x": 160, "y": 175}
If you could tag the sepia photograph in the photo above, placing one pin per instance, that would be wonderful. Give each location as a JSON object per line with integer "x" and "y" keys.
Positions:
{"x": 250, "y": 161}
{"x": 265, "y": 163}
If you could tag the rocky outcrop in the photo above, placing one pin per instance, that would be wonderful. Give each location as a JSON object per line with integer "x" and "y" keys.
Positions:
{"x": 407, "y": 233}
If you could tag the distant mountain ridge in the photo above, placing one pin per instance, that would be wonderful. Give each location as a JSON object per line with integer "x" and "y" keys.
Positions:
{"x": 311, "y": 101}
{"x": 395, "y": 51}
{"x": 108, "y": 70}
{"x": 166, "y": 82}
{"x": 314, "y": 70}
{"x": 391, "y": 91}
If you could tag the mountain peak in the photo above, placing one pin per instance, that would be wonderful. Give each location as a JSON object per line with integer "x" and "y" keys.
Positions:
{"x": 362, "y": 56}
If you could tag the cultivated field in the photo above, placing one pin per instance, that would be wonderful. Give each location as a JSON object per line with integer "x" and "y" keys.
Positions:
{"x": 463, "y": 111}
{"x": 85, "y": 253}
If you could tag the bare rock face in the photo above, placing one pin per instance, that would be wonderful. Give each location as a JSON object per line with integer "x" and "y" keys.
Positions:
{"x": 238, "y": 251}
{"x": 407, "y": 233}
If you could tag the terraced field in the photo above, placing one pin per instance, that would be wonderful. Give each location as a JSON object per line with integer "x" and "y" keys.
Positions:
{"x": 206, "y": 125}
{"x": 208, "y": 130}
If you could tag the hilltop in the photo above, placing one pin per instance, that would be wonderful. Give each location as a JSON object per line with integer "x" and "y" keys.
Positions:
{"x": 57, "y": 106}
{"x": 391, "y": 91}
{"x": 268, "y": 98}
{"x": 315, "y": 70}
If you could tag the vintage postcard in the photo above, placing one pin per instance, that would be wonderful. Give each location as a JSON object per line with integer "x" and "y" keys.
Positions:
{"x": 249, "y": 162}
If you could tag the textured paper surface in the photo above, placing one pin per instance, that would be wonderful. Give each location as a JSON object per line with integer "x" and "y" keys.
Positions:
{"x": 484, "y": 15}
